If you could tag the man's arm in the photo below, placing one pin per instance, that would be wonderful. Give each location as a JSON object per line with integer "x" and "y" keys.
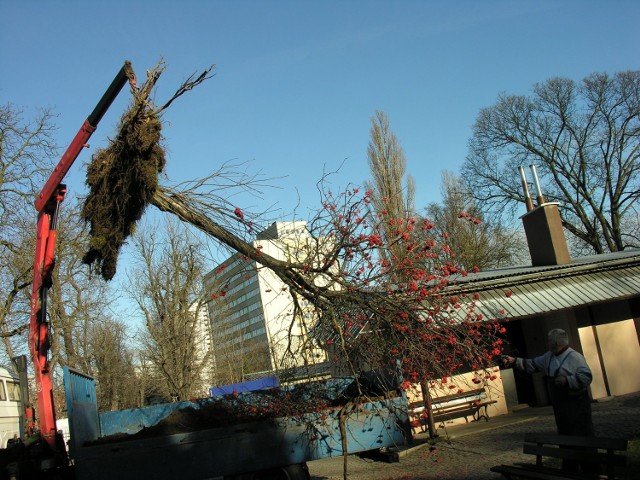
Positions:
{"x": 529, "y": 365}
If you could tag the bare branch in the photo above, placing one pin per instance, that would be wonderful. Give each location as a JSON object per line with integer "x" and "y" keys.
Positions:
{"x": 189, "y": 84}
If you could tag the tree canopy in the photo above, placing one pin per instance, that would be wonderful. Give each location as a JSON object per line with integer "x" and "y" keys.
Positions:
{"x": 166, "y": 285}
{"x": 390, "y": 199}
{"x": 477, "y": 242}
{"x": 584, "y": 139}
{"x": 79, "y": 304}
{"x": 26, "y": 156}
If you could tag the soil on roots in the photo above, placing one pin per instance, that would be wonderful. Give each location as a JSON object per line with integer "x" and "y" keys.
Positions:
{"x": 122, "y": 179}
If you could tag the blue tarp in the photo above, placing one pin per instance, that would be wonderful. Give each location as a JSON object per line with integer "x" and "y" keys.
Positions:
{"x": 249, "y": 386}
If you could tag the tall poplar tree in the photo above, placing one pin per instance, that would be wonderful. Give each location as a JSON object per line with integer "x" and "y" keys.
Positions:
{"x": 392, "y": 189}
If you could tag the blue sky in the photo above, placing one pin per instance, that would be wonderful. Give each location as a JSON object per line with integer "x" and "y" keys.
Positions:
{"x": 298, "y": 81}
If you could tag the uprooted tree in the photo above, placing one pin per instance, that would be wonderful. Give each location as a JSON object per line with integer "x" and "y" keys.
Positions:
{"x": 372, "y": 312}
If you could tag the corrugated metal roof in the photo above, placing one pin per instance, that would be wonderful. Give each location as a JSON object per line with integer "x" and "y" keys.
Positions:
{"x": 528, "y": 291}
{"x": 525, "y": 291}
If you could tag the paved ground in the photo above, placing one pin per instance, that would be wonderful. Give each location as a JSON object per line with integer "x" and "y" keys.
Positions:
{"x": 468, "y": 451}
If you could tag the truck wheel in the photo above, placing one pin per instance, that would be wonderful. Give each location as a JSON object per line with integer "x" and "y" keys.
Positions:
{"x": 289, "y": 472}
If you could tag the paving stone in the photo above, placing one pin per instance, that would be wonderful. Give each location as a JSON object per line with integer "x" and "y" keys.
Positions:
{"x": 468, "y": 451}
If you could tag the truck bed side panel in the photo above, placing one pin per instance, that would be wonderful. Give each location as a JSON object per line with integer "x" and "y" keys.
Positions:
{"x": 221, "y": 450}
{"x": 239, "y": 448}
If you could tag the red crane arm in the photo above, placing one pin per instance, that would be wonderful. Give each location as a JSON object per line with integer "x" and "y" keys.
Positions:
{"x": 48, "y": 204}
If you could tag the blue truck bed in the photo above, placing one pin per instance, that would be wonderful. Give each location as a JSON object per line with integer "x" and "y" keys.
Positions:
{"x": 219, "y": 451}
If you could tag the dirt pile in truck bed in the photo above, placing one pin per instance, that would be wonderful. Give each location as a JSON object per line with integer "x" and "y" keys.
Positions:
{"x": 262, "y": 405}
{"x": 229, "y": 410}
{"x": 232, "y": 411}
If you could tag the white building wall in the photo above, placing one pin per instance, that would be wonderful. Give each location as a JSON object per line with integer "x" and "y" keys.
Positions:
{"x": 204, "y": 347}
{"x": 258, "y": 305}
{"x": 614, "y": 347}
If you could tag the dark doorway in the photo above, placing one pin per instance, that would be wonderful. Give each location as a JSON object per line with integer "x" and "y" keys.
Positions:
{"x": 515, "y": 346}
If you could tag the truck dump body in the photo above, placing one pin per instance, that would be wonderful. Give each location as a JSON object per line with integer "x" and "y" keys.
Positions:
{"x": 226, "y": 450}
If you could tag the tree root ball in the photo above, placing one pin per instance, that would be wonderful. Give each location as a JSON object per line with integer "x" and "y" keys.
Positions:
{"x": 122, "y": 179}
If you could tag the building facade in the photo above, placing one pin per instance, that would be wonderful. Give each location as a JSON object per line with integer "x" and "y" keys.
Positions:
{"x": 252, "y": 311}
{"x": 595, "y": 299}
{"x": 203, "y": 346}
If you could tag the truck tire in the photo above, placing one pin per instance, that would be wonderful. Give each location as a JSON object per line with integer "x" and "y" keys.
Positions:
{"x": 289, "y": 472}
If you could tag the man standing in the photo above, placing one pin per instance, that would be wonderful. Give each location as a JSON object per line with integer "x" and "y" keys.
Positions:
{"x": 568, "y": 376}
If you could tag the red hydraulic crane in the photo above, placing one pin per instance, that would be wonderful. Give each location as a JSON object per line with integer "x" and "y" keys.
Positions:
{"x": 48, "y": 204}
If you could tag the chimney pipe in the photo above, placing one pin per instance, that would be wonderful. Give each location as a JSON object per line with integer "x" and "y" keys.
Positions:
{"x": 543, "y": 227}
{"x": 525, "y": 187}
{"x": 540, "y": 198}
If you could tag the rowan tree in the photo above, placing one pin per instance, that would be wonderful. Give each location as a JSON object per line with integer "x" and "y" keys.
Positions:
{"x": 355, "y": 292}
{"x": 392, "y": 206}
{"x": 398, "y": 310}
{"x": 583, "y": 137}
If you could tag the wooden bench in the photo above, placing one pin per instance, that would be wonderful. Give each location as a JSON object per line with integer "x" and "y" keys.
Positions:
{"x": 598, "y": 458}
{"x": 472, "y": 403}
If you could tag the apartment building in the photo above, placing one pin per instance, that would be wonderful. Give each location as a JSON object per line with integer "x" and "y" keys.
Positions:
{"x": 251, "y": 310}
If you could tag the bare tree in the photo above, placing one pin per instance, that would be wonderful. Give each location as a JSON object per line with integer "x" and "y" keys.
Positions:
{"x": 149, "y": 388}
{"x": 112, "y": 365}
{"x": 86, "y": 334}
{"x": 477, "y": 243}
{"x": 16, "y": 265}
{"x": 78, "y": 300}
{"x": 584, "y": 139}
{"x": 167, "y": 288}
{"x": 26, "y": 156}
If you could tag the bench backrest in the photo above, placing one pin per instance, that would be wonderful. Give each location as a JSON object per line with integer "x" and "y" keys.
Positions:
{"x": 455, "y": 396}
{"x": 438, "y": 402}
{"x": 585, "y": 449}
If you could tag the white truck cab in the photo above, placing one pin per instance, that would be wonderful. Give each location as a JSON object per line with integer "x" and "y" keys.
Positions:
{"x": 10, "y": 406}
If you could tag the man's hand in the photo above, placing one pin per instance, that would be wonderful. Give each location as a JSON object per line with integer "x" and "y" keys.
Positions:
{"x": 560, "y": 381}
{"x": 508, "y": 361}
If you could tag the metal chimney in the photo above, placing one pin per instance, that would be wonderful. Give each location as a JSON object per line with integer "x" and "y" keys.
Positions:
{"x": 543, "y": 227}
{"x": 540, "y": 198}
{"x": 525, "y": 187}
